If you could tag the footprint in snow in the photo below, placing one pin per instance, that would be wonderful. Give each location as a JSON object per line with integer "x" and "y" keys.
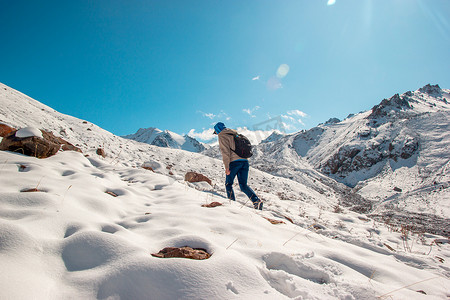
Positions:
{"x": 68, "y": 173}
{"x": 296, "y": 267}
{"x": 110, "y": 228}
{"x": 230, "y": 286}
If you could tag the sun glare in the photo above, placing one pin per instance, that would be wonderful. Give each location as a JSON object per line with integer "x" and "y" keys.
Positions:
{"x": 282, "y": 71}
{"x": 331, "y": 2}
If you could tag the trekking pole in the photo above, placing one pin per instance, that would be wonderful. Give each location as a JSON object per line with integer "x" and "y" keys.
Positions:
{"x": 244, "y": 203}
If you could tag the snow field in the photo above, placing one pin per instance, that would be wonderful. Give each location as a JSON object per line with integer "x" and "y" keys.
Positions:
{"x": 73, "y": 240}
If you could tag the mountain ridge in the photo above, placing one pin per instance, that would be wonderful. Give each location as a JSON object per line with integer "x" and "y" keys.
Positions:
{"x": 167, "y": 139}
{"x": 400, "y": 144}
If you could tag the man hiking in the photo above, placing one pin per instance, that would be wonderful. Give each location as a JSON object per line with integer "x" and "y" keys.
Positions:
{"x": 234, "y": 164}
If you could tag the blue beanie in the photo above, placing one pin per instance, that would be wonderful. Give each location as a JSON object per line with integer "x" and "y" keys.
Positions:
{"x": 219, "y": 127}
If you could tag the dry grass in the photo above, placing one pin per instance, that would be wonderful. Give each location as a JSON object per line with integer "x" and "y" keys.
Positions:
{"x": 385, "y": 296}
{"x": 232, "y": 243}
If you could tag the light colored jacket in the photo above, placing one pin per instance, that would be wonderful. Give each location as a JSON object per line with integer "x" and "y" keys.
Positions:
{"x": 226, "y": 145}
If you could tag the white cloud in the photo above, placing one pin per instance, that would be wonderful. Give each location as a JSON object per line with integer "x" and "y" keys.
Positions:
{"x": 207, "y": 115}
{"x": 251, "y": 110}
{"x": 289, "y": 127}
{"x": 205, "y": 135}
{"x": 255, "y": 136}
{"x": 292, "y": 119}
{"x": 221, "y": 116}
{"x": 297, "y": 112}
{"x": 256, "y": 78}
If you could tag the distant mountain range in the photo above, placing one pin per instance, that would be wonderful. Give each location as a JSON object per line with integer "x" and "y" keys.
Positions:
{"x": 167, "y": 139}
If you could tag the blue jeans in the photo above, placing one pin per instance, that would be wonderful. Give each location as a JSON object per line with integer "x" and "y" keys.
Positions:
{"x": 239, "y": 168}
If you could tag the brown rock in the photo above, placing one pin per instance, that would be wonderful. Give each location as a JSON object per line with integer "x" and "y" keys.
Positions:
{"x": 183, "y": 252}
{"x": 30, "y": 190}
{"x": 31, "y": 146}
{"x": 101, "y": 152}
{"x": 65, "y": 145}
{"x": 212, "y": 204}
{"x": 289, "y": 219}
{"x": 196, "y": 177}
{"x": 36, "y": 146}
{"x": 111, "y": 193}
{"x": 274, "y": 221}
{"x": 5, "y": 130}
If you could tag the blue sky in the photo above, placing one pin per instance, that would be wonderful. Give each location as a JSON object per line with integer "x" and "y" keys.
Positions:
{"x": 184, "y": 65}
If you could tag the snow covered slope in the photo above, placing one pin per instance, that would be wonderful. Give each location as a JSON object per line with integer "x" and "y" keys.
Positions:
{"x": 18, "y": 110}
{"x": 72, "y": 240}
{"x": 167, "y": 139}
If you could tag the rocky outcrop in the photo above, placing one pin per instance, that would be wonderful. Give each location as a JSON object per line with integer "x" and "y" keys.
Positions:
{"x": 65, "y": 145}
{"x": 352, "y": 158}
{"x": 342, "y": 161}
{"x": 432, "y": 90}
{"x": 163, "y": 140}
{"x": 332, "y": 121}
{"x": 403, "y": 147}
{"x": 395, "y": 103}
{"x": 40, "y": 147}
{"x": 196, "y": 177}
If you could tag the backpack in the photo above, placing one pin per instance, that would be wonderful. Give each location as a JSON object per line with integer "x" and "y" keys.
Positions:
{"x": 243, "y": 147}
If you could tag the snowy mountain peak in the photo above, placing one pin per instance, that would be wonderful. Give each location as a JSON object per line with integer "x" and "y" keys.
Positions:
{"x": 430, "y": 98}
{"x": 389, "y": 106}
{"x": 275, "y": 136}
{"x": 166, "y": 139}
{"x": 332, "y": 121}
{"x": 145, "y": 135}
{"x": 432, "y": 90}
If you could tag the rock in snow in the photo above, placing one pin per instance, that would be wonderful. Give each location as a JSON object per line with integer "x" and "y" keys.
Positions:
{"x": 5, "y": 130}
{"x": 34, "y": 142}
{"x": 196, "y": 177}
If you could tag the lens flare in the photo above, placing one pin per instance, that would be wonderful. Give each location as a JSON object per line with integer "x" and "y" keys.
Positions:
{"x": 274, "y": 83}
{"x": 282, "y": 71}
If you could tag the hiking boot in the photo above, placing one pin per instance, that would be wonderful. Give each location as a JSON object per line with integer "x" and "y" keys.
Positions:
{"x": 258, "y": 204}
